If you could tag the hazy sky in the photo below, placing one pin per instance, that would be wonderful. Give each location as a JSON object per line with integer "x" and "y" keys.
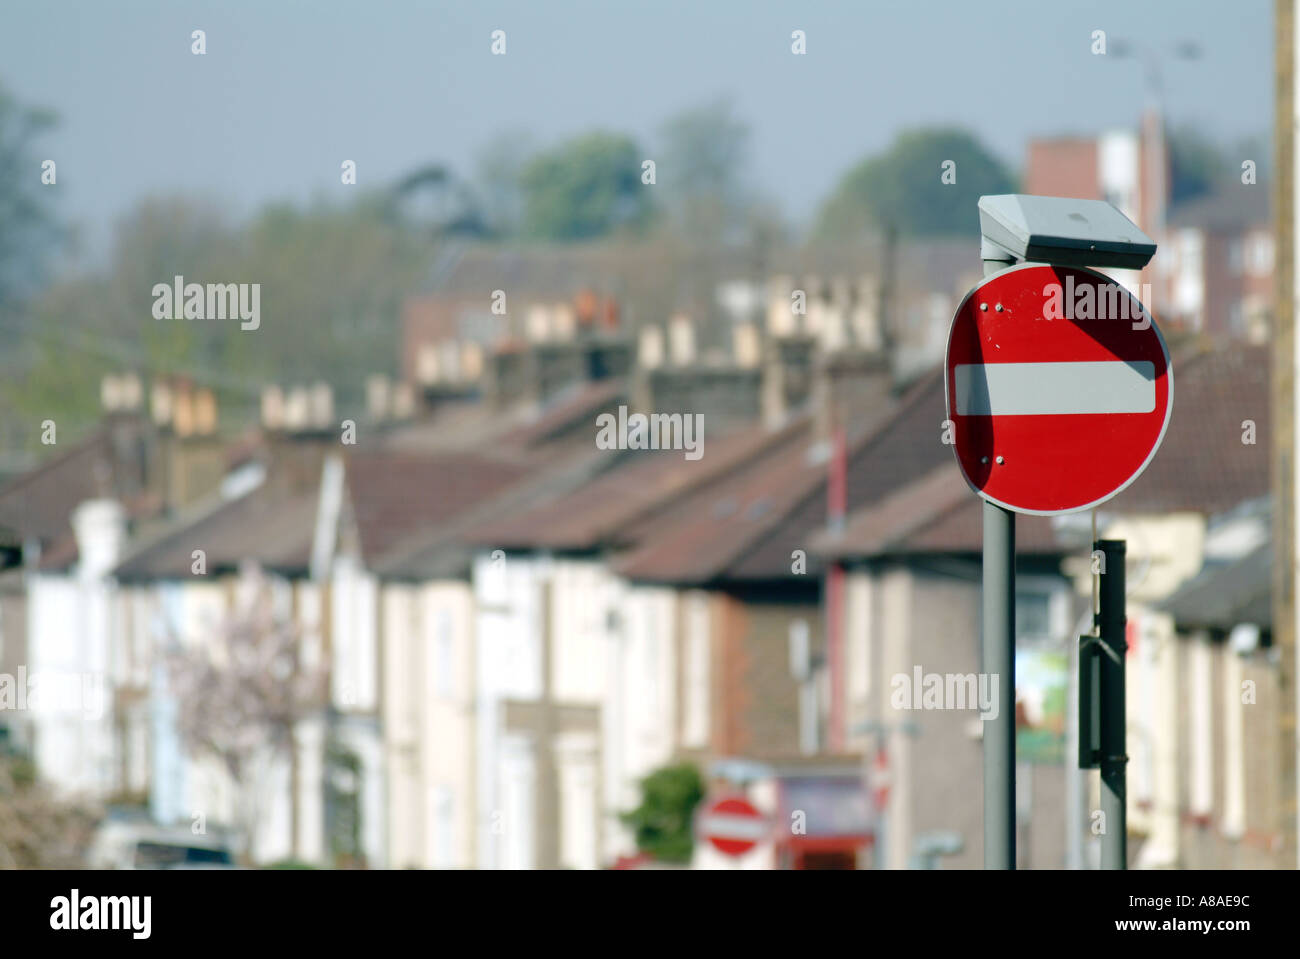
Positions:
{"x": 288, "y": 90}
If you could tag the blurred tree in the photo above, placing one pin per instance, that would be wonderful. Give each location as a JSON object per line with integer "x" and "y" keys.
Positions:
{"x": 498, "y": 182}
{"x": 28, "y": 232}
{"x": 702, "y": 176}
{"x": 332, "y": 281}
{"x": 38, "y": 830}
{"x": 663, "y": 823}
{"x": 241, "y": 691}
{"x": 587, "y": 187}
{"x": 1196, "y": 164}
{"x": 433, "y": 201}
{"x": 904, "y": 187}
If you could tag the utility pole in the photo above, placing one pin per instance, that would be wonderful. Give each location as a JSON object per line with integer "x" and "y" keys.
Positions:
{"x": 1113, "y": 760}
{"x": 1285, "y": 386}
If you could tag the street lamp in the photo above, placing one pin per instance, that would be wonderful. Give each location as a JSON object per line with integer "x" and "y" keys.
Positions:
{"x": 1150, "y": 58}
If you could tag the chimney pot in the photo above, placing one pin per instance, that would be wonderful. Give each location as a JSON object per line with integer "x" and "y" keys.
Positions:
{"x": 110, "y": 393}
{"x": 471, "y": 361}
{"x": 539, "y": 324}
{"x": 563, "y": 321}
{"x": 160, "y": 403}
{"x": 426, "y": 364}
{"x": 273, "y": 412}
{"x": 378, "y": 397}
{"x": 183, "y": 419}
{"x": 746, "y": 346}
{"x": 650, "y": 347}
{"x": 297, "y": 409}
{"x": 322, "y": 405}
{"x": 681, "y": 340}
{"x": 205, "y": 412}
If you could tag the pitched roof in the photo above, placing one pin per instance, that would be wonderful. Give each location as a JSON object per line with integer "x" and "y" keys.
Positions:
{"x": 444, "y": 549}
{"x": 936, "y": 514}
{"x": 705, "y": 535}
{"x": 901, "y": 444}
{"x": 1235, "y": 208}
{"x": 272, "y": 525}
{"x": 109, "y": 462}
{"x": 1225, "y": 595}
{"x": 38, "y": 503}
{"x": 1203, "y": 465}
{"x": 749, "y": 528}
{"x": 394, "y": 494}
{"x": 643, "y": 486}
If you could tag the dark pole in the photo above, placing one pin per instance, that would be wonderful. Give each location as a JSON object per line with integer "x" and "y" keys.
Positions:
{"x": 1113, "y": 623}
{"x": 999, "y": 661}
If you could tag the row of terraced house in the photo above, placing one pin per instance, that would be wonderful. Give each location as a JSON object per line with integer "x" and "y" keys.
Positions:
{"x": 514, "y": 626}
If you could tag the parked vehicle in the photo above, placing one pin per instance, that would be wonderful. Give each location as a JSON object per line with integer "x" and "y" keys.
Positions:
{"x": 133, "y": 842}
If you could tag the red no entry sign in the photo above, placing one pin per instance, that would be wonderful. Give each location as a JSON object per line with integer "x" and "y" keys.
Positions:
{"x": 732, "y": 825}
{"x": 1059, "y": 388}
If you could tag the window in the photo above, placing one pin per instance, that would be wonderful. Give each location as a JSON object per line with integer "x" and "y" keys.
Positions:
{"x": 1259, "y": 257}
{"x": 1036, "y": 611}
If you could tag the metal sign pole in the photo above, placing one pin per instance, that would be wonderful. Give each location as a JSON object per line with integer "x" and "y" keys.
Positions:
{"x": 1026, "y": 241}
{"x": 999, "y": 660}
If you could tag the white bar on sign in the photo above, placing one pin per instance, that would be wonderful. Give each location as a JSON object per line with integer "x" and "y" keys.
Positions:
{"x": 732, "y": 827}
{"x": 1055, "y": 389}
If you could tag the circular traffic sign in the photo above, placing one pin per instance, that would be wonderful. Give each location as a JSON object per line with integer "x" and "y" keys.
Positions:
{"x": 1059, "y": 388}
{"x": 732, "y": 825}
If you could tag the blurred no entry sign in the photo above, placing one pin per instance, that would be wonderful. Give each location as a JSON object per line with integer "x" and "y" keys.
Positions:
{"x": 732, "y": 825}
{"x": 1059, "y": 388}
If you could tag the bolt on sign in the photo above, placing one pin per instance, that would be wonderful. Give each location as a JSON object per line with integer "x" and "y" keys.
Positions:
{"x": 1059, "y": 388}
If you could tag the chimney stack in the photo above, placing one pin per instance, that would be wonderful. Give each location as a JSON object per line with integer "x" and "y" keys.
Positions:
{"x": 120, "y": 393}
